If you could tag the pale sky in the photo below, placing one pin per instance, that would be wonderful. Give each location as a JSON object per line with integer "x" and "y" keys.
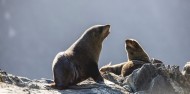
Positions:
{"x": 32, "y": 32}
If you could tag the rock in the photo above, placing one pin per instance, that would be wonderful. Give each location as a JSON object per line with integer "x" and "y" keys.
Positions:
{"x": 154, "y": 61}
{"x": 11, "y": 79}
{"x": 186, "y": 70}
{"x": 140, "y": 79}
{"x": 160, "y": 85}
{"x": 14, "y": 84}
{"x": 117, "y": 79}
{"x": 155, "y": 78}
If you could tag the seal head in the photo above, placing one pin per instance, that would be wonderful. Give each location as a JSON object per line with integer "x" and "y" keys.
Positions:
{"x": 135, "y": 51}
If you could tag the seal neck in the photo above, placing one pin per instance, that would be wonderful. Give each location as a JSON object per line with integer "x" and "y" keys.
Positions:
{"x": 87, "y": 49}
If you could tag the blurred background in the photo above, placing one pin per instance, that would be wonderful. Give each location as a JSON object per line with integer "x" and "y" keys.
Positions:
{"x": 32, "y": 32}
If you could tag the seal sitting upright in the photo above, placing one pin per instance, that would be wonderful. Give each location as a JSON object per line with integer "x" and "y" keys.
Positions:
{"x": 80, "y": 60}
{"x": 136, "y": 58}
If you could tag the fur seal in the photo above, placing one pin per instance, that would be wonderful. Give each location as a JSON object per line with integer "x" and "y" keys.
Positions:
{"x": 135, "y": 51}
{"x": 80, "y": 60}
{"x": 136, "y": 58}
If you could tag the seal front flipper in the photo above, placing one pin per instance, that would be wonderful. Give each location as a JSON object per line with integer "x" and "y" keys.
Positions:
{"x": 95, "y": 73}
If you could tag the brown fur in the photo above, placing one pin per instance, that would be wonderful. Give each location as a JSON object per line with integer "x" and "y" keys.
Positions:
{"x": 130, "y": 66}
{"x": 136, "y": 57}
{"x": 116, "y": 69}
{"x": 135, "y": 51}
{"x": 80, "y": 61}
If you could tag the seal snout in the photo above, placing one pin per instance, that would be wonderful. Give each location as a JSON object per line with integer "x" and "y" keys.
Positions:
{"x": 127, "y": 41}
{"x": 106, "y": 30}
{"x": 130, "y": 43}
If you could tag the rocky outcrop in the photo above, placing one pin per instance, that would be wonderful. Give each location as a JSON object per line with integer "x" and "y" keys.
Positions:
{"x": 154, "y": 79}
{"x": 186, "y": 70}
{"x": 149, "y": 79}
{"x": 16, "y": 84}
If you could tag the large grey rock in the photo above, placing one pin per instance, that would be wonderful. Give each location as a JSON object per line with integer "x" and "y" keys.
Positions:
{"x": 186, "y": 70}
{"x": 155, "y": 79}
{"x": 149, "y": 79}
{"x": 160, "y": 85}
{"x": 141, "y": 79}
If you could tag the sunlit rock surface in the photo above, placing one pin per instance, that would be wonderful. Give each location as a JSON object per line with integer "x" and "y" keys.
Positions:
{"x": 10, "y": 84}
{"x": 149, "y": 79}
{"x": 153, "y": 79}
